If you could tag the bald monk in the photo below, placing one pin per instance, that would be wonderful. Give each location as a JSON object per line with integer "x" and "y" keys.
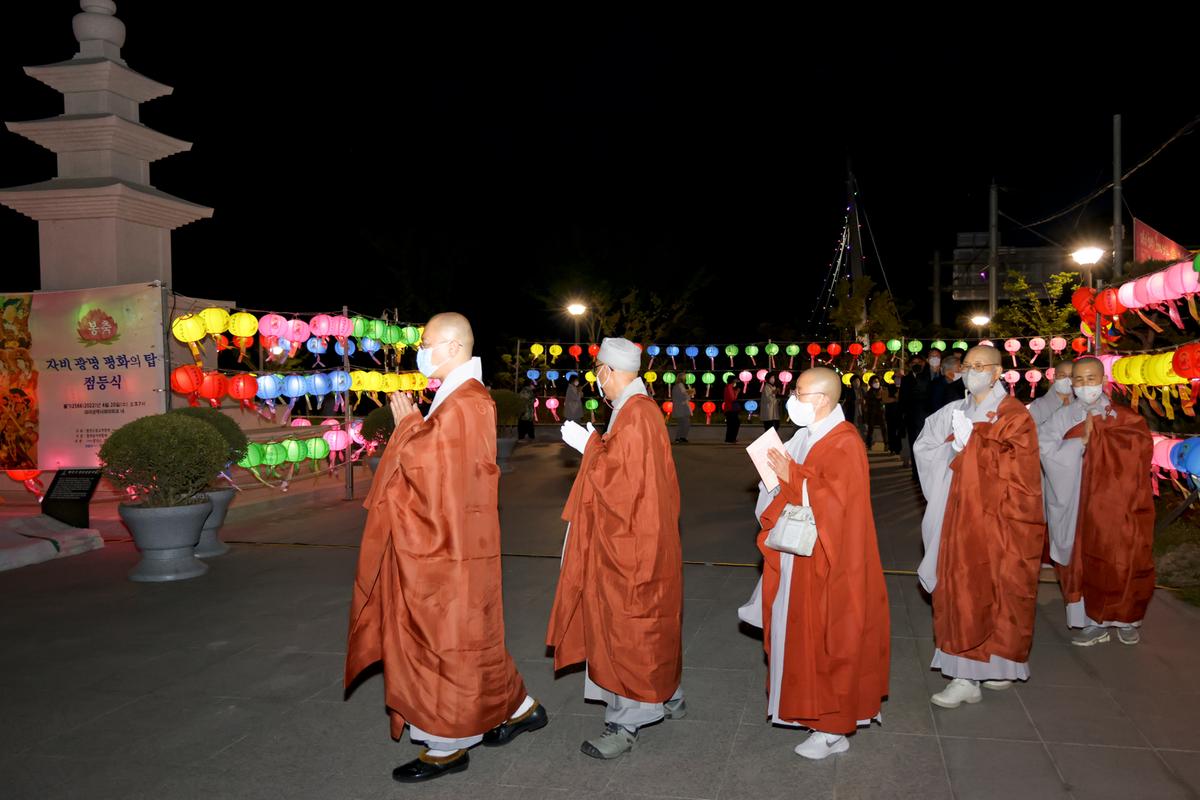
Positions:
{"x": 619, "y": 601}
{"x": 983, "y": 531}
{"x": 427, "y": 594}
{"x": 1100, "y": 507}
{"x": 825, "y": 616}
{"x": 1061, "y": 394}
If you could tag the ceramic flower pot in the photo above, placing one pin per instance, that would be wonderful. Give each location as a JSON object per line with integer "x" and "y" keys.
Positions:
{"x": 167, "y": 538}
{"x": 210, "y": 542}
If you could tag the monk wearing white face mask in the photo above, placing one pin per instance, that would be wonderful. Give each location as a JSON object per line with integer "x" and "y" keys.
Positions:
{"x": 1096, "y": 457}
{"x": 1061, "y": 394}
{"x": 984, "y": 528}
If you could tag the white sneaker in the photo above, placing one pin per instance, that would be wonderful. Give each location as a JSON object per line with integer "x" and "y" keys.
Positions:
{"x": 958, "y": 692}
{"x": 1128, "y": 635}
{"x": 997, "y": 686}
{"x": 822, "y": 745}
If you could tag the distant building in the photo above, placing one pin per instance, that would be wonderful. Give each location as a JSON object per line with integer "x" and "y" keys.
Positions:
{"x": 970, "y": 273}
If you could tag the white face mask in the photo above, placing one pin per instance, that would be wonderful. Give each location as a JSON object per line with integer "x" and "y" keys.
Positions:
{"x": 600, "y": 386}
{"x": 1088, "y": 394}
{"x": 935, "y": 362}
{"x": 1063, "y": 385}
{"x": 979, "y": 382}
{"x": 800, "y": 412}
{"x": 425, "y": 363}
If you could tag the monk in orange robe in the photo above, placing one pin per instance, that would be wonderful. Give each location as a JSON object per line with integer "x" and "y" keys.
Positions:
{"x": 983, "y": 529}
{"x": 1096, "y": 457}
{"x": 427, "y": 594}
{"x": 619, "y": 602}
{"x": 825, "y": 619}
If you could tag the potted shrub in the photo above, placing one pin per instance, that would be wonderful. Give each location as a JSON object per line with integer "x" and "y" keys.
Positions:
{"x": 509, "y": 407}
{"x": 221, "y": 495}
{"x": 166, "y": 461}
{"x": 376, "y": 431}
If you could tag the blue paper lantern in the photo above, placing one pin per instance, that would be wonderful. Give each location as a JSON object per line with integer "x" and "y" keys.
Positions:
{"x": 692, "y": 352}
{"x": 293, "y": 386}
{"x": 317, "y": 384}
{"x": 711, "y": 351}
{"x": 570, "y": 374}
{"x": 533, "y": 374}
{"x": 347, "y": 350}
{"x": 672, "y": 351}
{"x": 316, "y": 346}
{"x": 752, "y": 406}
{"x": 369, "y": 345}
{"x": 1180, "y": 453}
{"x": 1191, "y": 460}
{"x": 339, "y": 381}
{"x": 552, "y": 375}
{"x": 652, "y": 350}
{"x": 269, "y": 387}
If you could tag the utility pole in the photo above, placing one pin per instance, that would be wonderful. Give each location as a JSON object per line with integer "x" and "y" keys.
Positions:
{"x": 937, "y": 288}
{"x": 1117, "y": 232}
{"x": 993, "y": 248}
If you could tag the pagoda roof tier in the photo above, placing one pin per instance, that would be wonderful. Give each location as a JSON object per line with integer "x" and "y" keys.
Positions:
{"x": 84, "y": 132}
{"x": 91, "y": 198}
{"x": 98, "y": 75}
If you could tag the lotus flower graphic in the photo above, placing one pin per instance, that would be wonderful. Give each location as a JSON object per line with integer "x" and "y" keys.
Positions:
{"x": 96, "y": 327}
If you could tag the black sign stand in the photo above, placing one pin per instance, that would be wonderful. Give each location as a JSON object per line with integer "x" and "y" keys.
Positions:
{"x": 69, "y": 494}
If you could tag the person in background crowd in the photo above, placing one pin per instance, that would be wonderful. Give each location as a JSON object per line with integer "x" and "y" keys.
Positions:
{"x": 768, "y": 404}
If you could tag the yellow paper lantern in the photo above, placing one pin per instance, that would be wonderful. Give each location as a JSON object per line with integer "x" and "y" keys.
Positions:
{"x": 406, "y": 381}
{"x": 889, "y": 377}
{"x": 243, "y": 324}
{"x": 391, "y": 382}
{"x": 373, "y": 381}
{"x": 590, "y": 377}
{"x": 216, "y": 320}
{"x": 1136, "y": 370}
{"x": 420, "y": 382}
{"x": 537, "y": 350}
{"x": 1118, "y": 370}
{"x": 846, "y": 376}
{"x": 188, "y": 328}
{"x": 555, "y": 350}
{"x": 358, "y": 380}
{"x": 866, "y": 378}
{"x": 651, "y": 376}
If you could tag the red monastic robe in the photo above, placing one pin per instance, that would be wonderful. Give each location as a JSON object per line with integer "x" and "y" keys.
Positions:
{"x": 427, "y": 594}
{"x": 838, "y": 645}
{"x": 1112, "y": 562}
{"x": 992, "y": 538}
{"x": 619, "y": 603}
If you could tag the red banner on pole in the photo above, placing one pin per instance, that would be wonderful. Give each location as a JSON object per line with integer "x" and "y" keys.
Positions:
{"x": 1150, "y": 245}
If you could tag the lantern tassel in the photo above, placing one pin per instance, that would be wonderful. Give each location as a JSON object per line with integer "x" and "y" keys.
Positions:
{"x": 1157, "y": 329}
{"x": 1166, "y": 395}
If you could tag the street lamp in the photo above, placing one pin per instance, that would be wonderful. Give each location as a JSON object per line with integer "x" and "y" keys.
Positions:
{"x": 576, "y": 310}
{"x": 979, "y": 321}
{"x": 1088, "y": 257}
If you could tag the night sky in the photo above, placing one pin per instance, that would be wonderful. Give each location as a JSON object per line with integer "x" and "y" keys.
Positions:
{"x": 499, "y": 164}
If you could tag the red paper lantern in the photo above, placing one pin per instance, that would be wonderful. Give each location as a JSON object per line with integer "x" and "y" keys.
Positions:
{"x": 856, "y": 349}
{"x": 1186, "y": 361}
{"x": 186, "y": 379}
{"x": 1079, "y": 345}
{"x": 1108, "y": 303}
{"x": 213, "y": 388}
{"x": 22, "y": 475}
{"x": 668, "y": 407}
{"x": 878, "y": 348}
{"x": 593, "y": 350}
{"x": 834, "y": 349}
{"x": 576, "y": 351}
{"x": 1082, "y": 298}
{"x": 222, "y": 342}
{"x": 243, "y": 388}
{"x": 814, "y": 349}
{"x": 709, "y": 408}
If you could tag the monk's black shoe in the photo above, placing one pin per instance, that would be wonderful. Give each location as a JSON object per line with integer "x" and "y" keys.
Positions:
{"x": 532, "y": 720}
{"x": 426, "y": 767}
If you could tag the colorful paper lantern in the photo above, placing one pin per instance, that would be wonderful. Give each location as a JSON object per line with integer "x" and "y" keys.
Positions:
{"x": 709, "y": 408}
{"x": 751, "y": 406}
{"x": 1011, "y": 377}
{"x": 813, "y": 351}
{"x": 914, "y": 346}
{"x": 1108, "y": 302}
{"x": 653, "y": 350}
{"x": 1033, "y": 376}
{"x": 785, "y": 378}
{"x": 243, "y": 388}
{"x": 536, "y": 350}
{"x": 555, "y": 351}
{"x": 533, "y": 374}
{"x": 961, "y": 345}
{"x": 1079, "y": 345}
{"x": 668, "y": 407}
{"x": 242, "y": 324}
{"x": 345, "y": 347}
{"x": 879, "y": 348}
{"x": 893, "y": 345}
{"x": 576, "y": 351}
{"x": 590, "y": 377}
{"x": 938, "y": 344}
{"x": 593, "y": 350}
{"x": 216, "y": 320}
{"x": 650, "y": 377}
{"x": 834, "y": 349}
{"x": 889, "y": 377}
{"x": 668, "y": 378}
{"x": 856, "y": 349}
{"x": 744, "y": 376}
{"x": 731, "y": 350}
{"x": 752, "y": 351}
{"x": 187, "y": 379}
{"x": 1012, "y": 346}
{"x": 213, "y": 388}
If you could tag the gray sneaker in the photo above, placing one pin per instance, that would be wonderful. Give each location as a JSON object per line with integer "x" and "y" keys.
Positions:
{"x": 676, "y": 709}
{"x": 1127, "y": 636}
{"x": 616, "y": 741}
{"x": 1092, "y": 634}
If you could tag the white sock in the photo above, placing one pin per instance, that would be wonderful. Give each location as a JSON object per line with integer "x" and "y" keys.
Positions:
{"x": 439, "y": 753}
{"x": 527, "y": 704}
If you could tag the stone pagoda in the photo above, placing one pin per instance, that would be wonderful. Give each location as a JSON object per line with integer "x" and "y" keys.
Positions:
{"x": 100, "y": 222}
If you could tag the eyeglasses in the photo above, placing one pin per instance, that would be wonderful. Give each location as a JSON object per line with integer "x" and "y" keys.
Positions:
{"x": 799, "y": 393}
{"x": 424, "y": 346}
{"x": 979, "y": 366}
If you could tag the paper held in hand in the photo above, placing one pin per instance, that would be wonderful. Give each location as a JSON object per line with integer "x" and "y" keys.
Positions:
{"x": 758, "y": 450}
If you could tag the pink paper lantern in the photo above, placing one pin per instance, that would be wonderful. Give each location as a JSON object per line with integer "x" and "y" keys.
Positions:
{"x": 340, "y": 327}
{"x": 272, "y": 325}
{"x": 744, "y": 376}
{"x": 321, "y": 325}
{"x": 1162, "y": 450}
{"x": 785, "y": 377}
{"x": 1057, "y": 345}
{"x": 1107, "y": 360}
{"x": 1127, "y": 296}
{"x": 1037, "y": 344}
{"x": 435, "y": 383}
{"x": 761, "y": 375}
{"x": 1141, "y": 291}
{"x": 1012, "y": 346}
{"x": 332, "y": 423}
{"x": 1156, "y": 287}
{"x": 1050, "y": 373}
{"x": 1033, "y": 376}
{"x": 1012, "y": 377}
{"x": 301, "y": 422}
{"x": 297, "y": 331}
{"x": 987, "y": 343}
{"x": 338, "y": 440}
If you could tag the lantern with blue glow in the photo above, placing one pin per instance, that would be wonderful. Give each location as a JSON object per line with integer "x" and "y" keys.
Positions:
{"x": 672, "y": 351}
{"x": 692, "y": 352}
{"x": 346, "y": 349}
{"x": 370, "y": 347}
{"x": 317, "y": 346}
{"x": 551, "y": 375}
{"x": 318, "y": 385}
{"x": 270, "y": 387}
{"x": 712, "y": 351}
{"x": 533, "y": 374}
{"x": 751, "y": 406}
{"x": 293, "y": 388}
{"x": 570, "y": 374}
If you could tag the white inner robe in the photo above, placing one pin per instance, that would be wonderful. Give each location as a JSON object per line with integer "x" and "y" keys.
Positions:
{"x": 933, "y": 455}
{"x": 1062, "y": 476}
{"x": 1045, "y": 406}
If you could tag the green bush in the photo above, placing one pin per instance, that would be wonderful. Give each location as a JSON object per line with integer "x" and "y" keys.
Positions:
{"x": 229, "y": 429}
{"x": 509, "y": 407}
{"x": 167, "y": 459}
{"x": 378, "y": 425}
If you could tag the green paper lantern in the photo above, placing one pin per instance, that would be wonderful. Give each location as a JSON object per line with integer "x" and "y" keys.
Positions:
{"x": 317, "y": 448}
{"x": 253, "y": 457}
{"x": 392, "y": 334}
{"x": 731, "y": 350}
{"x": 691, "y": 378}
{"x": 409, "y": 335}
{"x": 752, "y": 350}
{"x": 376, "y": 328}
{"x": 772, "y": 349}
{"x": 938, "y": 344}
{"x": 295, "y": 451}
{"x": 727, "y": 377}
{"x": 914, "y": 346}
{"x": 893, "y": 345}
{"x": 668, "y": 378}
{"x": 961, "y": 345}
{"x": 709, "y": 378}
{"x": 793, "y": 350}
{"x": 1196, "y": 262}
{"x": 592, "y": 404}
{"x": 360, "y": 327}
{"x": 274, "y": 454}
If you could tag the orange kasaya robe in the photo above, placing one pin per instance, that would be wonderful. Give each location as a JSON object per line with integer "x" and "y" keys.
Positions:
{"x": 992, "y": 537}
{"x": 1112, "y": 563}
{"x": 838, "y": 644}
{"x": 427, "y": 594}
{"x": 619, "y": 603}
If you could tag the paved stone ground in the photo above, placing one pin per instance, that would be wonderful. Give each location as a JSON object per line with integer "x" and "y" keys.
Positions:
{"x": 228, "y": 686}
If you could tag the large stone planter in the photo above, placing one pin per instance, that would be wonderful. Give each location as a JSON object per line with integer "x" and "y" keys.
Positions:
{"x": 505, "y": 445}
{"x": 167, "y": 539}
{"x": 210, "y": 535}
